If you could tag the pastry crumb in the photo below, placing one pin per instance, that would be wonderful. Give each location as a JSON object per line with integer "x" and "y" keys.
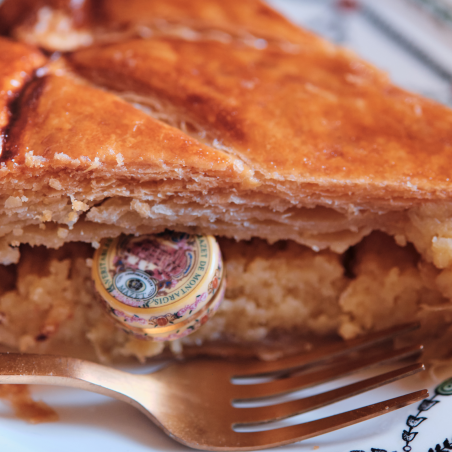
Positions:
{"x": 94, "y": 165}
{"x": 13, "y": 201}
{"x": 56, "y": 184}
{"x": 62, "y": 233}
{"x": 79, "y": 206}
{"x": 34, "y": 161}
{"x": 46, "y": 216}
{"x": 63, "y": 158}
{"x": 142, "y": 208}
{"x": 25, "y": 407}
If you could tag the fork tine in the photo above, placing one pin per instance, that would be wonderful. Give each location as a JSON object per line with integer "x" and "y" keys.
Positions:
{"x": 260, "y": 415}
{"x": 287, "y": 435}
{"x": 323, "y": 353}
{"x": 285, "y": 385}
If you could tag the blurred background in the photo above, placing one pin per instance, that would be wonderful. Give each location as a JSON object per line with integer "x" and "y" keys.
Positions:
{"x": 410, "y": 39}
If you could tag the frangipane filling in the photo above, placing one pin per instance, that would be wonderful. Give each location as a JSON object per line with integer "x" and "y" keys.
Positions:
{"x": 274, "y": 292}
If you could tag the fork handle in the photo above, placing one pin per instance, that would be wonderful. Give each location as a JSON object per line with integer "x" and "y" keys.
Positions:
{"x": 16, "y": 368}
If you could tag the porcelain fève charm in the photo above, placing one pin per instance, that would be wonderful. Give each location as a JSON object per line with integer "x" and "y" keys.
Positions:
{"x": 160, "y": 286}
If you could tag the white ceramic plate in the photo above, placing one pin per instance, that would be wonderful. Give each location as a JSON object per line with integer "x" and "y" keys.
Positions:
{"x": 89, "y": 422}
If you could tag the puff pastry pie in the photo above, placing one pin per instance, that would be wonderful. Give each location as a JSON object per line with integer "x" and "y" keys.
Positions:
{"x": 330, "y": 188}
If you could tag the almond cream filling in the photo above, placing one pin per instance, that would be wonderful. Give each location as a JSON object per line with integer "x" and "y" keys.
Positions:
{"x": 48, "y": 304}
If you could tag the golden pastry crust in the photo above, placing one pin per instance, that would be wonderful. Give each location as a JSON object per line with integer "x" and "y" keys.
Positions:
{"x": 315, "y": 122}
{"x": 319, "y": 119}
{"x": 17, "y": 63}
{"x": 246, "y": 19}
{"x": 15, "y": 14}
{"x": 65, "y": 25}
{"x": 92, "y": 127}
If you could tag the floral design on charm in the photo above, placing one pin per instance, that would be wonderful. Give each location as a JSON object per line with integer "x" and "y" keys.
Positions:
{"x": 162, "y": 286}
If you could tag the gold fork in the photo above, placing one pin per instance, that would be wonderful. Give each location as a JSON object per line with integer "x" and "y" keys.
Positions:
{"x": 192, "y": 400}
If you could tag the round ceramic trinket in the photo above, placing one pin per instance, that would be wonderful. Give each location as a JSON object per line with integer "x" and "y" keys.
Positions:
{"x": 160, "y": 287}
